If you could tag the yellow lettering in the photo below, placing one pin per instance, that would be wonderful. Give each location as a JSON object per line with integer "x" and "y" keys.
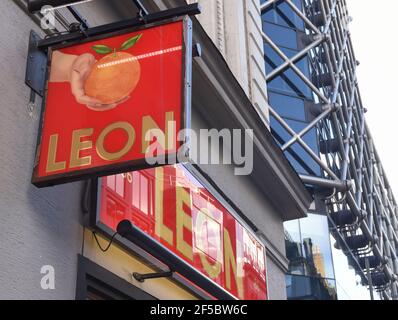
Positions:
{"x": 231, "y": 263}
{"x": 78, "y": 145}
{"x": 161, "y": 230}
{"x": 213, "y": 270}
{"x": 108, "y": 156}
{"x": 52, "y": 164}
{"x": 183, "y": 220}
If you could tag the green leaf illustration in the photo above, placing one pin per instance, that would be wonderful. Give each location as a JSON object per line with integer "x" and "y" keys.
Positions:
{"x": 102, "y": 49}
{"x": 130, "y": 42}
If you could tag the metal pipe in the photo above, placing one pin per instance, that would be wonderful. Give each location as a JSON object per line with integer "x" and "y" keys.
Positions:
{"x": 285, "y": 65}
{"x": 312, "y": 124}
{"x": 295, "y": 69}
{"x": 127, "y": 230}
{"x": 341, "y": 186}
{"x": 310, "y": 152}
{"x": 302, "y": 16}
{"x": 265, "y": 5}
{"x": 141, "y": 7}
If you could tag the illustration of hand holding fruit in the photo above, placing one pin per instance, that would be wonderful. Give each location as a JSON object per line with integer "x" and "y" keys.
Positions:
{"x": 100, "y": 85}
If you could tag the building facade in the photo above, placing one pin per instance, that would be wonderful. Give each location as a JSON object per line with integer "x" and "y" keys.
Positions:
{"x": 52, "y": 229}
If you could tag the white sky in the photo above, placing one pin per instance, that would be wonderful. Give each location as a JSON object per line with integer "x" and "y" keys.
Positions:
{"x": 374, "y": 35}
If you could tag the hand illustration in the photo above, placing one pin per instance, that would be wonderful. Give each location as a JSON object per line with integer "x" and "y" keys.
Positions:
{"x": 100, "y": 85}
{"x": 75, "y": 70}
{"x": 79, "y": 72}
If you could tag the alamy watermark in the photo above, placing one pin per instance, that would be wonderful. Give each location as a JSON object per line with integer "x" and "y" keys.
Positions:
{"x": 47, "y": 281}
{"x": 206, "y": 147}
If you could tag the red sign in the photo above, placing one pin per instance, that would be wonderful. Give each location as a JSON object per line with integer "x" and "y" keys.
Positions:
{"x": 174, "y": 208}
{"x": 106, "y": 97}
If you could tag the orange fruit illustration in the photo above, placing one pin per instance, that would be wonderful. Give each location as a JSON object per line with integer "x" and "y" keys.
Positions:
{"x": 113, "y": 78}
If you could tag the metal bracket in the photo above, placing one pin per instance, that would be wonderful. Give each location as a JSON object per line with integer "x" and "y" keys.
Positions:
{"x": 142, "y": 277}
{"x": 138, "y": 237}
{"x": 191, "y": 9}
{"x": 142, "y": 11}
{"x": 83, "y": 22}
{"x": 36, "y": 65}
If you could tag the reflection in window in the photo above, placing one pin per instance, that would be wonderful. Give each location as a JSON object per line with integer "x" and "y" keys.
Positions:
{"x": 116, "y": 183}
{"x": 298, "y": 157}
{"x": 308, "y": 247}
{"x": 285, "y": 37}
{"x": 141, "y": 192}
{"x": 281, "y": 13}
{"x": 288, "y": 106}
{"x": 208, "y": 238}
{"x": 315, "y": 237}
{"x": 310, "y": 288}
{"x": 289, "y": 81}
{"x": 311, "y": 272}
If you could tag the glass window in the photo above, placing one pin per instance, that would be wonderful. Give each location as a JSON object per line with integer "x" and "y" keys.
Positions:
{"x": 110, "y": 182}
{"x": 282, "y": 14}
{"x": 294, "y": 250}
{"x": 141, "y": 192}
{"x": 298, "y": 157}
{"x": 120, "y": 185}
{"x": 144, "y": 194}
{"x": 287, "y": 106}
{"x": 116, "y": 183}
{"x": 317, "y": 249}
{"x": 269, "y": 15}
{"x": 309, "y": 288}
{"x": 289, "y": 81}
{"x": 311, "y": 269}
{"x": 136, "y": 189}
{"x": 282, "y": 36}
{"x": 308, "y": 248}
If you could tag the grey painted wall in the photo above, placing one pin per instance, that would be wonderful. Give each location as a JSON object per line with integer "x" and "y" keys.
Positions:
{"x": 42, "y": 227}
{"x": 37, "y": 227}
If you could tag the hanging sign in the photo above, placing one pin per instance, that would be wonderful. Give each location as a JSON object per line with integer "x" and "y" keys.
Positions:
{"x": 108, "y": 98}
{"x": 170, "y": 205}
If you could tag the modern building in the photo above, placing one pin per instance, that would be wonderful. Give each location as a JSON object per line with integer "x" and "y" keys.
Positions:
{"x": 315, "y": 219}
{"x": 318, "y": 119}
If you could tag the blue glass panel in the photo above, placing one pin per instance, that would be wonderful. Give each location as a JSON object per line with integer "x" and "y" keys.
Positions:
{"x": 294, "y": 84}
{"x": 282, "y": 14}
{"x": 269, "y": 15}
{"x": 298, "y": 157}
{"x": 308, "y": 288}
{"x": 287, "y": 106}
{"x": 282, "y": 36}
{"x": 289, "y": 81}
